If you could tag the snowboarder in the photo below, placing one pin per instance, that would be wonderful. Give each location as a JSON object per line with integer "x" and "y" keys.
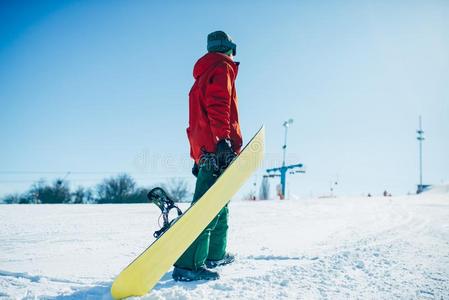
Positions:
{"x": 215, "y": 139}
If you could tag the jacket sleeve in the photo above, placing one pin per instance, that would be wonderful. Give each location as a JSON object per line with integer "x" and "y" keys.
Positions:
{"x": 218, "y": 101}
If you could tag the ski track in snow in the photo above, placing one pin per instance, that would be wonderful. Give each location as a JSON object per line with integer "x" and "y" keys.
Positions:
{"x": 342, "y": 248}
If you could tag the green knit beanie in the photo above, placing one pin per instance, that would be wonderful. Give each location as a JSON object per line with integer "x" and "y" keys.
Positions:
{"x": 219, "y": 41}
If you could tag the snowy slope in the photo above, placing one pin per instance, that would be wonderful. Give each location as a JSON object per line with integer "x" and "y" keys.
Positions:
{"x": 340, "y": 248}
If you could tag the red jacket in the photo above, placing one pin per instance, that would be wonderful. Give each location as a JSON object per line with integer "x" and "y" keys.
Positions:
{"x": 213, "y": 114}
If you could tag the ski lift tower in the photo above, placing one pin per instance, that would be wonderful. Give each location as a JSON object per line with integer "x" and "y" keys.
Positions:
{"x": 282, "y": 171}
{"x": 420, "y": 138}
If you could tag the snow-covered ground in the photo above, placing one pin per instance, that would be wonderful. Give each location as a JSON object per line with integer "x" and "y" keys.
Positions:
{"x": 337, "y": 248}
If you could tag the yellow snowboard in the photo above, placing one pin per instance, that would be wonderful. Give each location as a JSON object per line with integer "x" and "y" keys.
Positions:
{"x": 142, "y": 274}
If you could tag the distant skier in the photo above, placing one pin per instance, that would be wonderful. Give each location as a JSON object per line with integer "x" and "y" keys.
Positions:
{"x": 215, "y": 139}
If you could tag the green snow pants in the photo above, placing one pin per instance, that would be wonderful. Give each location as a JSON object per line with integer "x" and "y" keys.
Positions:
{"x": 211, "y": 243}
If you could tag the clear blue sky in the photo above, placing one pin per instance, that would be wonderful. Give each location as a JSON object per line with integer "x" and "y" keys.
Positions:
{"x": 100, "y": 87}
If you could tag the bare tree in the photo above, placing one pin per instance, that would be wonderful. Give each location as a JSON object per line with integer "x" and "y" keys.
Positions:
{"x": 119, "y": 189}
{"x": 12, "y": 199}
{"x": 82, "y": 196}
{"x": 41, "y": 192}
{"x": 178, "y": 189}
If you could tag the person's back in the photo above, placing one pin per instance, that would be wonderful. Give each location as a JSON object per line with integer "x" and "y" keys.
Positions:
{"x": 213, "y": 114}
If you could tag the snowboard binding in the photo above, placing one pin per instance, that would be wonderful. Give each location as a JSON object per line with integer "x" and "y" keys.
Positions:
{"x": 159, "y": 197}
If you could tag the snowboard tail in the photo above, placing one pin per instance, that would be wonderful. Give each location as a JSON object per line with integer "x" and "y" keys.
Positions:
{"x": 142, "y": 274}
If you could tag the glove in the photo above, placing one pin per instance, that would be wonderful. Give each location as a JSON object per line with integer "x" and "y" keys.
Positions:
{"x": 195, "y": 170}
{"x": 224, "y": 154}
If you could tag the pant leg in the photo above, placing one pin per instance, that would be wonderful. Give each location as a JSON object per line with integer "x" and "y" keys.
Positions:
{"x": 219, "y": 236}
{"x": 195, "y": 256}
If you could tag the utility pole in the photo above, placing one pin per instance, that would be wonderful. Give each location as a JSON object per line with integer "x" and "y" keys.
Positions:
{"x": 284, "y": 169}
{"x": 420, "y": 139}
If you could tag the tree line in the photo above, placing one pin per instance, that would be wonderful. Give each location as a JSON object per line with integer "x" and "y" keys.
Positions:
{"x": 119, "y": 189}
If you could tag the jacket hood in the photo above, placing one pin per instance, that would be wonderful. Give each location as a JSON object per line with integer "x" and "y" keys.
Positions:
{"x": 211, "y": 59}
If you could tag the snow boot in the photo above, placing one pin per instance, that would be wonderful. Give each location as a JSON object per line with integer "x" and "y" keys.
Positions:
{"x": 226, "y": 260}
{"x": 180, "y": 274}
